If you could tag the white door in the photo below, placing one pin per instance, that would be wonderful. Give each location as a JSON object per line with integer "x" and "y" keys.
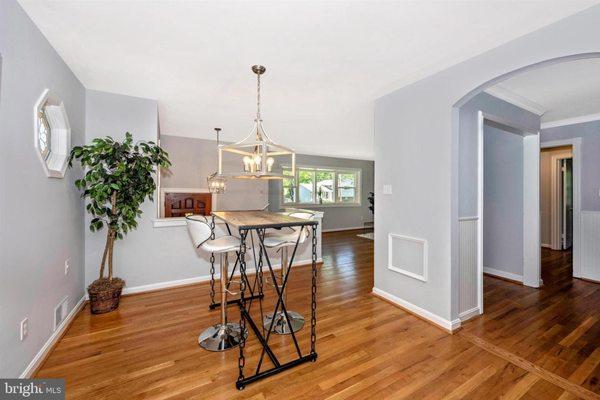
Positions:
{"x": 567, "y": 203}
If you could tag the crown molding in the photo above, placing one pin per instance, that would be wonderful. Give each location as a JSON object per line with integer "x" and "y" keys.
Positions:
{"x": 516, "y": 100}
{"x": 571, "y": 121}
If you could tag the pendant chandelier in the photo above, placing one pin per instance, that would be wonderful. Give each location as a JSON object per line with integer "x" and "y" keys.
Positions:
{"x": 258, "y": 152}
{"x": 216, "y": 182}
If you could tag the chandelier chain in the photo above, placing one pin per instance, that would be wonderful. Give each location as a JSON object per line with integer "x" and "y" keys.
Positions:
{"x": 258, "y": 98}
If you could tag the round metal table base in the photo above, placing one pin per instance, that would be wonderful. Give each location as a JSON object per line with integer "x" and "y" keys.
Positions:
{"x": 280, "y": 326}
{"x": 221, "y": 338}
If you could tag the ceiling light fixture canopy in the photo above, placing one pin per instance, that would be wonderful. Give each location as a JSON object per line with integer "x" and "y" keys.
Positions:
{"x": 216, "y": 181}
{"x": 258, "y": 150}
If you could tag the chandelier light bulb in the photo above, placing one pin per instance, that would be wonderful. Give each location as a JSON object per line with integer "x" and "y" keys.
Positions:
{"x": 257, "y": 162}
{"x": 247, "y": 161}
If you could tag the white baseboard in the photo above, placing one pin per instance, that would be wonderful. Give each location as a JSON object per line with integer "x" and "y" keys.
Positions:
{"x": 467, "y": 315}
{"x": 52, "y": 340}
{"x": 503, "y": 274}
{"x": 167, "y": 284}
{"x": 421, "y": 312}
{"x": 197, "y": 279}
{"x": 546, "y": 245}
{"x": 351, "y": 228}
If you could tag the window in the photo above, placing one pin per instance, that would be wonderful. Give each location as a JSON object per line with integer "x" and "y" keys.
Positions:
{"x": 52, "y": 134}
{"x": 346, "y": 188}
{"x": 43, "y": 133}
{"x": 306, "y": 192}
{"x": 321, "y": 186}
{"x": 289, "y": 188}
{"x": 325, "y": 186}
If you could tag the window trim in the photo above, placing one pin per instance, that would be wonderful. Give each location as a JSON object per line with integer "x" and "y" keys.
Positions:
{"x": 55, "y": 160}
{"x": 336, "y": 170}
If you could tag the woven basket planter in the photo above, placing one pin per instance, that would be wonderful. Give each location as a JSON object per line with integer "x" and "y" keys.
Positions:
{"x": 105, "y": 301}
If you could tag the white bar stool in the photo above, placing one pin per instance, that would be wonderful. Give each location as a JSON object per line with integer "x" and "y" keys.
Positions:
{"x": 283, "y": 240}
{"x": 224, "y": 335}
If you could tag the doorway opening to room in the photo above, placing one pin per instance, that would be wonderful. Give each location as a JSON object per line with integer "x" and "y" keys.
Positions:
{"x": 508, "y": 202}
{"x": 559, "y": 237}
{"x": 559, "y": 199}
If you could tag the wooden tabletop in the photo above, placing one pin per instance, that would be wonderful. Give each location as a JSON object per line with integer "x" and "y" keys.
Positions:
{"x": 260, "y": 219}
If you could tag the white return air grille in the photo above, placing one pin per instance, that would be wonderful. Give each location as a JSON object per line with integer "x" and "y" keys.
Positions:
{"x": 407, "y": 256}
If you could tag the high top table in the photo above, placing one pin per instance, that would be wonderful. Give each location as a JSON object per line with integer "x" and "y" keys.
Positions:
{"x": 259, "y": 222}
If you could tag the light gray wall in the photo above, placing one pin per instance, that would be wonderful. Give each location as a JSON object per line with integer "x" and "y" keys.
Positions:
{"x": 468, "y": 142}
{"x": 194, "y": 159}
{"x": 147, "y": 255}
{"x": 334, "y": 217}
{"x": 589, "y": 133}
{"x": 503, "y": 178}
{"x": 502, "y": 200}
{"x": 417, "y": 152}
{"x": 41, "y": 219}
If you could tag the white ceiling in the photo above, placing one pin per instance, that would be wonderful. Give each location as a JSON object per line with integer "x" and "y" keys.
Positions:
{"x": 560, "y": 91}
{"x": 326, "y": 61}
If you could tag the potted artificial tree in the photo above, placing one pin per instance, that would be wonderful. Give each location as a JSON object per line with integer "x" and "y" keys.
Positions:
{"x": 119, "y": 178}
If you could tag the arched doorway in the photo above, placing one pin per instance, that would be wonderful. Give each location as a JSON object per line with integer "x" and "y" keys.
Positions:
{"x": 469, "y": 260}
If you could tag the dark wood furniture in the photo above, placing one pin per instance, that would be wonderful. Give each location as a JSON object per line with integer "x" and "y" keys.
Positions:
{"x": 184, "y": 204}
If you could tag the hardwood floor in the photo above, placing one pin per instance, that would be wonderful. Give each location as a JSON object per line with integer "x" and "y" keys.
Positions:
{"x": 529, "y": 345}
{"x": 557, "y": 266}
{"x": 555, "y": 328}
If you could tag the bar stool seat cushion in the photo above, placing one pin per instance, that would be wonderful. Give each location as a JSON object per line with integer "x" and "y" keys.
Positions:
{"x": 222, "y": 244}
{"x": 286, "y": 238}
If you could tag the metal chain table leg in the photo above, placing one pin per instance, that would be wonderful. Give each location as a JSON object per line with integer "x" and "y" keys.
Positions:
{"x": 212, "y": 266}
{"x": 313, "y": 303}
{"x": 212, "y": 281}
{"x": 259, "y": 276}
{"x": 242, "y": 303}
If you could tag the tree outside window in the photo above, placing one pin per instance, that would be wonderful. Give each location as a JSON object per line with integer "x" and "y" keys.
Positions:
{"x": 289, "y": 189}
{"x": 306, "y": 181}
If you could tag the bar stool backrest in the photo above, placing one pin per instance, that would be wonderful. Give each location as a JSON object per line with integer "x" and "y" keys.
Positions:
{"x": 199, "y": 229}
{"x": 303, "y": 215}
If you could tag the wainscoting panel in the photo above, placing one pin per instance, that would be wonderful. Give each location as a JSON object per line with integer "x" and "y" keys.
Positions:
{"x": 590, "y": 245}
{"x": 468, "y": 266}
{"x": 408, "y": 256}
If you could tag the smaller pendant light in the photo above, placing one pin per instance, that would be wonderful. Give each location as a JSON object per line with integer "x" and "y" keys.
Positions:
{"x": 216, "y": 182}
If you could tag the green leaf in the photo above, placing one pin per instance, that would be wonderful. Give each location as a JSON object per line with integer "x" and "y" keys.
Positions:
{"x": 124, "y": 168}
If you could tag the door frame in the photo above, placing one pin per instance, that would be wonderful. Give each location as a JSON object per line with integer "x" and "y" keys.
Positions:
{"x": 575, "y": 144}
{"x": 531, "y": 203}
{"x": 556, "y": 200}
